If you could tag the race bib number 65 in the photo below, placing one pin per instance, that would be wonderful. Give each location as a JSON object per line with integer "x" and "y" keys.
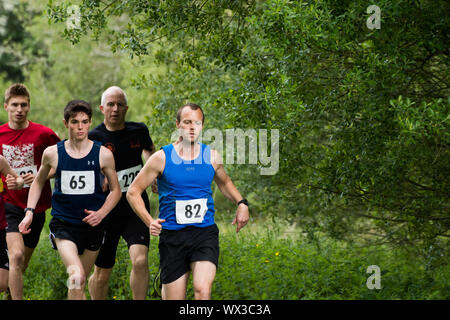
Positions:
{"x": 77, "y": 182}
{"x": 190, "y": 211}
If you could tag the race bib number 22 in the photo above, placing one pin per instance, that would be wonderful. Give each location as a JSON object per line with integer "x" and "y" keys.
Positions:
{"x": 127, "y": 176}
{"x": 25, "y": 170}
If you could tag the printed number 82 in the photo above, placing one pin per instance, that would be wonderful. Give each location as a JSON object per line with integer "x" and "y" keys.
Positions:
{"x": 188, "y": 211}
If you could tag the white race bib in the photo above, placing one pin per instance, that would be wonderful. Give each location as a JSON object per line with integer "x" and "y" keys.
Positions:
{"x": 191, "y": 211}
{"x": 77, "y": 182}
{"x": 127, "y": 176}
{"x": 24, "y": 170}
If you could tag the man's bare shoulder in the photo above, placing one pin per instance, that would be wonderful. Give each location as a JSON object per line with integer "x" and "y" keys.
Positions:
{"x": 105, "y": 151}
{"x": 159, "y": 155}
{"x": 50, "y": 155}
{"x": 216, "y": 158}
{"x": 156, "y": 161}
{"x": 106, "y": 157}
{"x": 51, "y": 150}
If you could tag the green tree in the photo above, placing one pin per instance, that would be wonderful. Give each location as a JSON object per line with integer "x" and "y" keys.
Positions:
{"x": 362, "y": 113}
{"x": 18, "y": 49}
{"x": 66, "y": 71}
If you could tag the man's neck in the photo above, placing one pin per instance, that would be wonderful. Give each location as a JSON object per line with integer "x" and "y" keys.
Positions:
{"x": 187, "y": 150}
{"x": 78, "y": 148}
{"x": 18, "y": 125}
{"x": 114, "y": 127}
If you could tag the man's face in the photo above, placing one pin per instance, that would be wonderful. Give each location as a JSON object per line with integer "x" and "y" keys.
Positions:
{"x": 17, "y": 108}
{"x": 190, "y": 125}
{"x": 78, "y": 126}
{"x": 115, "y": 109}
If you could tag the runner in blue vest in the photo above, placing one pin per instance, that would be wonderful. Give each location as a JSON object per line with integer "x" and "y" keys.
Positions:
{"x": 78, "y": 202}
{"x": 189, "y": 238}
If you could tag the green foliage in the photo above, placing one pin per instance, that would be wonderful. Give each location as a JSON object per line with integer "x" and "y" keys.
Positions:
{"x": 269, "y": 265}
{"x": 18, "y": 48}
{"x": 276, "y": 262}
{"x": 362, "y": 114}
{"x": 67, "y": 72}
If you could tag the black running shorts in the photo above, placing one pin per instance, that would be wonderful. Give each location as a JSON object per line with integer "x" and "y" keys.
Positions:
{"x": 15, "y": 215}
{"x": 4, "y": 261}
{"x": 84, "y": 236}
{"x": 179, "y": 248}
{"x": 132, "y": 229}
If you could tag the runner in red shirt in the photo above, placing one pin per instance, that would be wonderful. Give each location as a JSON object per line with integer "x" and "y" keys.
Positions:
{"x": 22, "y": 144}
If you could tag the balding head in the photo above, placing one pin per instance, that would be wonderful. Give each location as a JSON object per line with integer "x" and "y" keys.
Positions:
{"x": 113, "y": 90}
{"x": 114, "y": 107}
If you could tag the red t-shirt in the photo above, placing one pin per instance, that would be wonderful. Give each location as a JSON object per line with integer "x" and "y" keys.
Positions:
{"x": 23, "y": 149}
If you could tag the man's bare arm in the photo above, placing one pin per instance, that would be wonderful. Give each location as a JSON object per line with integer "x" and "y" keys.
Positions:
{"x": 151, "y": 170}
{"x": 49, "y": 158}
{"x": 108, "y": 168}
{"x": 229, "y": 190}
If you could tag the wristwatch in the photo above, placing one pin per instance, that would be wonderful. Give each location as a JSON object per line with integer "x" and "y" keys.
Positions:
{"x": 244, "y": 201}
{"x": 28, "y": 209}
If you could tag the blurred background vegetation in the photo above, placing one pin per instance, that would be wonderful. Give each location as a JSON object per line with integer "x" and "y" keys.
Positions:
{"x": 363, "y": 114}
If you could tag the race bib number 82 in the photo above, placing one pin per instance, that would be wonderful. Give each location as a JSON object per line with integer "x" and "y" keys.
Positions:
{"x": 191, "y": 211}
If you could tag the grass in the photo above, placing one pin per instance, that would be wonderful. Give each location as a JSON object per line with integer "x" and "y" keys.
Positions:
{"x": 269, "y": 261}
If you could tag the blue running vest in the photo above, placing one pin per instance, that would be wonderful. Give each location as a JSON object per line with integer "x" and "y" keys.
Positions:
{"x": 78, "y": 185}
{"x": 185, "y": 195}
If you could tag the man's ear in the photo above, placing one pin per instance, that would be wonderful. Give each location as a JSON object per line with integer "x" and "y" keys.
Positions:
{"x": 65, "y": 123}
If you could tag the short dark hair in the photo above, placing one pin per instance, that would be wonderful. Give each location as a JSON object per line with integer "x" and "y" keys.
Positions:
{"x": 16, "y": 90}
{"x": 193, "y": 106}
{"x": 75, "y": 106}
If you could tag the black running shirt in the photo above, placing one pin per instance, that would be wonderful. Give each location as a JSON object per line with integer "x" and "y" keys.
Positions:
{"x": 126, "y": 145}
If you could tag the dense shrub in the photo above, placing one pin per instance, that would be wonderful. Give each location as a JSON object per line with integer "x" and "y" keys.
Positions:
{"x": 268, "y": 261}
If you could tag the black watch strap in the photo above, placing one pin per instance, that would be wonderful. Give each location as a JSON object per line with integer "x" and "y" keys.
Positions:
{"x": 244, "y": 201}
{"x": 28, "y": 209}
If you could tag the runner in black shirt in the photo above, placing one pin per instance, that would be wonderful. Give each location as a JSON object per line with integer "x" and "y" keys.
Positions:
{"x": 128, "y": 141}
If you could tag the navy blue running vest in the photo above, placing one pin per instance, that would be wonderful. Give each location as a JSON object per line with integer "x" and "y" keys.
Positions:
{"x": 185, "y": 195}
{"x": 78, "y": 185}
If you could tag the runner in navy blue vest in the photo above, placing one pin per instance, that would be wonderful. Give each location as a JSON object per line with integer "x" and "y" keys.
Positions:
{"x": 78, "y": 202}
{"x": 129, "y": 142}
{"x": 189, "y": 237}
